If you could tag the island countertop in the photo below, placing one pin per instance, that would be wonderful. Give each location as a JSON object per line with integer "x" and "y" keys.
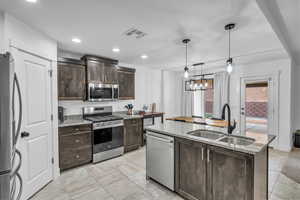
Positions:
{"x": 181, "y": 130}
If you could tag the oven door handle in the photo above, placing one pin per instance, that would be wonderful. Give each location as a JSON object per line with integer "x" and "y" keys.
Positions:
{"x": 108, "y": 126}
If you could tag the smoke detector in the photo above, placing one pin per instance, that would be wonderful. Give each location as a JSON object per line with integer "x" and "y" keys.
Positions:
{"x": 134, "y": 32}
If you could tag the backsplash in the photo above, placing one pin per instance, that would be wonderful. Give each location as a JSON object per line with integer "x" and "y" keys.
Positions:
{"x": 75, "y": 107}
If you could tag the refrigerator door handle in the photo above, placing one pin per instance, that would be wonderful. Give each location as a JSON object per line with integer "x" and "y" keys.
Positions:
{"x": 17, "y": 131}
{"x": 21, "y": 187}
{"x": 16, "y": 170}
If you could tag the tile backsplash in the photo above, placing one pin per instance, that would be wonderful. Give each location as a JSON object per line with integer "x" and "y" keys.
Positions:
{"x": 75, "y": 107}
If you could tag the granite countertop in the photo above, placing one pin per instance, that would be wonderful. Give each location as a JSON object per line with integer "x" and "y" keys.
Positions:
{"x": 125, "y": 116}
{"x": 73, "y": 120}
{"x": 181, "y": 130}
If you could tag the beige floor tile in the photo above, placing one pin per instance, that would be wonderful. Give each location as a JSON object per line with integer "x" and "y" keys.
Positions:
{"x": 124, "y": 178}
{"x": 81, "y": 186}
{"x": 139, "y": 196}
{"x": 98, "y": 194}
{"x": 122, "y": 189}
{"x": 111, "y": 178}
{"x": 53, "y": 195}
{"x": 285, "y": 188}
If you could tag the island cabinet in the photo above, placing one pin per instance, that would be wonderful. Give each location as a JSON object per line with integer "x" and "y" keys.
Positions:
{"x": 101, "y": 70}
{"x": 133, "y": 131}
{"x": 75, "y": 146}
{"x": 190, "y": 169}
{"x": 206, "y": 172}
{"x": 71, "y": 79}
{"x": 229, "y": 174}
{"x": 126, "y": 78}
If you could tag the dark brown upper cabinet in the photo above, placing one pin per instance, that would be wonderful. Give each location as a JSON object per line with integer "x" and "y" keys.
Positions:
{"x": 126, "y": 77}
{"x": 71, "y": 79}
{"x": 101, "y": 70}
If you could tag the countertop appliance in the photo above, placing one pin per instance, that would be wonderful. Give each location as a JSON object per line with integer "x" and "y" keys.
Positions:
{"x": 160, "y": 159}
{"x": 103, "y": 92}
{"x": 10, "y": 125}
{"x": 108, "y": 132}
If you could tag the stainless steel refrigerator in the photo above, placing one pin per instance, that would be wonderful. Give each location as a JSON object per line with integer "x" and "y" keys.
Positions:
{"x": 10, "y": 125}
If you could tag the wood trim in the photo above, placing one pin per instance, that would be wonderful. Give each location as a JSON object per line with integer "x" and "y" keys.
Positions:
{"x": 99, "y": 59}
{"x": 62, "y": 60}
{"x": 126, "y": 98}
{"x": 126, "y": 70}
{"x": 70, "y": 98}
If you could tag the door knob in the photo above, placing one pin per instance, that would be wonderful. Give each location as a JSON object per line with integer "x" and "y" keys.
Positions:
{"x": 25, "y": 134}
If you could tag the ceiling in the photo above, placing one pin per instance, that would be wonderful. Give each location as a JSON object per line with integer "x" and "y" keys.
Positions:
{"x": 101, "y": 24}
{"x": 284, "y": 18}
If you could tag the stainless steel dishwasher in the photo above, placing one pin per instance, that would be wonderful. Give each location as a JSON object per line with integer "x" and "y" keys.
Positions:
{"x": 160, "y": 159}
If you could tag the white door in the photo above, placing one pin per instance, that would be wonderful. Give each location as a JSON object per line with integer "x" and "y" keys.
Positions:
{"x": 36, "y": 148}
{"x": 256, "y": 124}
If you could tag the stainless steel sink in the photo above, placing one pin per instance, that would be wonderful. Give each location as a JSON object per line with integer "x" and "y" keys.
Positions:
{"x": 213, "y": 135}
{"x": 237, "y": 140}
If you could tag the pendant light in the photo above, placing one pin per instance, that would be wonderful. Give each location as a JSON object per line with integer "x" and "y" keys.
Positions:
{"x": 186, "y": 69}
{"x": 229, "y": 61}
{"x": 203, "y": 80}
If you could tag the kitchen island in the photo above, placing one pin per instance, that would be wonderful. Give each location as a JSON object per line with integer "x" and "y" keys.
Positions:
{"x": 210, "y": 165}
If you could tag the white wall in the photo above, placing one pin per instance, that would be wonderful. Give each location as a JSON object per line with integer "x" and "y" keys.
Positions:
{"x": 34, "y": 41}
{"x": 1, "y": 32}
{"x": 282, "y": 68}
{"x": 295, "y": 96}
{"x": 171, "y": 93}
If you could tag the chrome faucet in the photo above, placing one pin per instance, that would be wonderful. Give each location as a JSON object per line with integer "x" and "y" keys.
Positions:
{"x": 230, "y": 127}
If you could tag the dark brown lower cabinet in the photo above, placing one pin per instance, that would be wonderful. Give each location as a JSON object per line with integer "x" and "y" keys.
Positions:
{"x": 205, "y": 172}
{"x": 229, "y": 175}
{"x": 190, "y": 180}
{"x": 133, "y": 131}
{"x": 75, "y": 146}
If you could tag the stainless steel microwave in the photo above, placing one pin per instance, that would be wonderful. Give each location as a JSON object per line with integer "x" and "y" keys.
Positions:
{"x": 103, "y": 92}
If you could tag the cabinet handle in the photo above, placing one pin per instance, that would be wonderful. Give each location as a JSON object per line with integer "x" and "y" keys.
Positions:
{"x": 77, "y": 141}
{"x": 76, "y": 129}
{"x": 202, "y": 153}
{"x": 77, "y": 156}
{"x": 208, "y": 157}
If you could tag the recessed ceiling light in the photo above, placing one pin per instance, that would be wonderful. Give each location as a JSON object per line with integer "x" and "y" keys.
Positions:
{"x": 116, "y": 50}
{"x": 31, "y": 1}
{"x": 144, "y": 56}
{"x": 76, "y": 40}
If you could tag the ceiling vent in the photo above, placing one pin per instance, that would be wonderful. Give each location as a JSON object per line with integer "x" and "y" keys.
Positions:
{"x": 133, "y": 32}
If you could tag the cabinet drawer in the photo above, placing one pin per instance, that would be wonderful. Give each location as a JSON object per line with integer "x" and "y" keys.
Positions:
{"x": 75, "y": 157}
{"x": 133, "y": 121}
{"x": 74, "y": 129}
{"x": 74, "y": 141}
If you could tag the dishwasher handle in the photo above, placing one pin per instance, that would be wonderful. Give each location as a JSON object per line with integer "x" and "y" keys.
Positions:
{"x": 160, "y": 139}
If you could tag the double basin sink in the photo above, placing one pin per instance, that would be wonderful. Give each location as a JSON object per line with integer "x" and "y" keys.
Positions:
{"x": 221, "y": 137}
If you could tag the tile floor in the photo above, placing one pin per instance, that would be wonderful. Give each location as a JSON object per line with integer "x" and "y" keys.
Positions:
{"x": 123, "y": 178}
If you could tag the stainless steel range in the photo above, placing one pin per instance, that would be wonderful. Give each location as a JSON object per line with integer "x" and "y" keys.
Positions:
{"x": 108, "y": 132}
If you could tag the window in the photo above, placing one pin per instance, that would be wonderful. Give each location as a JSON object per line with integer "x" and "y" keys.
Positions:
{"x": 208, "y": 102}
{"x": 203, "y": 101}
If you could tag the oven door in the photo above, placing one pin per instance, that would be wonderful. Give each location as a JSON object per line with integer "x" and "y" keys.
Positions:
{"x": 100, "y": 92}
{"x": 108, "y": 138}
